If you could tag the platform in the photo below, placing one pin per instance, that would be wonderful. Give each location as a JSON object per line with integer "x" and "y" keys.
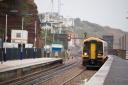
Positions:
{"x": 113, "y": 72}
{"x": 118, "y": 74}
{"x": 18, "y": 68}
{"x": 99, "y": 77}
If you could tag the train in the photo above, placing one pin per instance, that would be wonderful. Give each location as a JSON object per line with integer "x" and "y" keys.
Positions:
{"x": 94, "y": 52}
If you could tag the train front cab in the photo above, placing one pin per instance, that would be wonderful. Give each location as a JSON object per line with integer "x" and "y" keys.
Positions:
{"x": 94, "y": 52}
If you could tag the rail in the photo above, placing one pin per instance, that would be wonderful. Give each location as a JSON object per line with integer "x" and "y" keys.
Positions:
{"x": 37, "y": 78}
{"x": 72, "y": 77}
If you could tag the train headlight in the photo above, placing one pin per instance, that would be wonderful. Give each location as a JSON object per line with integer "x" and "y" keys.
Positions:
{"x": 85, "y": 54}
{"x": 99, "y": 56}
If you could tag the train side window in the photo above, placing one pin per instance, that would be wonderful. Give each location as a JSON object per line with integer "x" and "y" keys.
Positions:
{"x": 100, "y": 47}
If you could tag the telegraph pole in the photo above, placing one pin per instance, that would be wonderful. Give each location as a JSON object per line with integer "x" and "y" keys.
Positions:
{"x": 52, "y": 8}
{"x": 52, "y": 5}
{"x": 59, "y": 6}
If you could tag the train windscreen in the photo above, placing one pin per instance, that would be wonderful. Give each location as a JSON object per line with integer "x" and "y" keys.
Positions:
{"x": 99, "y": 47}
{"x": 86, "y": 47}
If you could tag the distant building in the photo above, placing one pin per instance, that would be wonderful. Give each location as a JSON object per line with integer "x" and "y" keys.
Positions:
{"x": 57, "y": 23}
{"x": 62, "y": 38}
{"x": 58, "y": 26}
{"x": 68, "y": 22}
{"x": 109, "y": 39}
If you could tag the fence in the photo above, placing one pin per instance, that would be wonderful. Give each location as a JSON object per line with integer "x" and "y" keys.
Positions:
{"x": 118, "y": 52}
{"x": 16, "y": 53}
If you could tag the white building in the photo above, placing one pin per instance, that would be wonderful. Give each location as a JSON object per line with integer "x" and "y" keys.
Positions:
{"x": 58, "y": 23}
{"x": 19, "y": 36}
{"x": 68, "y": 22}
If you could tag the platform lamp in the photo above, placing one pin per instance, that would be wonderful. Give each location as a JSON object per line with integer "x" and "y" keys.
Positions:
{"x": 35, "y": 40}
{"x": 6, "y": 27}
{"x": 5, "y": 41}
{"x": 21, "y": 48}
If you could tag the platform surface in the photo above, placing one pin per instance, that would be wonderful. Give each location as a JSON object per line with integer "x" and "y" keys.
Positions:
{"x": 15, "y": 64}
{"x": 118, "y": 74}
{"x": 99, "y": 77}
{"x": 113, "y": 72}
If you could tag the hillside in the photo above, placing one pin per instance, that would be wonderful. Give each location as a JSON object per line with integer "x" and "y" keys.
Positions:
{"x": 93, "y": 29}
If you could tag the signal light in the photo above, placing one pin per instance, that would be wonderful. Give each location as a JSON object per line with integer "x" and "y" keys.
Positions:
{"x": 69, "y": 37}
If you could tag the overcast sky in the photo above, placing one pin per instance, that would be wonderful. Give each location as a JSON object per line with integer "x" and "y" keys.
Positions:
{"x": 111, "y": 13}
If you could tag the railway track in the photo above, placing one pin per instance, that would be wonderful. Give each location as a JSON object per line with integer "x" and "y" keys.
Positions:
{"x": 72, "y": 76}
{"x": 79, "y": 78}
{"x": 36, "y": 77}
{"x": 69, "y": 74}
{"x": 28, "y": 77}
{"x": 57, "y": 75}
{"x": 49, "y": 74}
{"x": 71, "y": 79}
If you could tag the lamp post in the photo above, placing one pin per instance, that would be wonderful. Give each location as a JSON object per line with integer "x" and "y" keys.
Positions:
{"x": 35, "y": 33}
{"x": 35, "y": 40}
{"x": 6, "y": 26}
{"x": 21, "y": 48}
{"x": 126, "y": 37}
{"x": 6, "y": 31}
{"x": 46, "y": 35}
{"x": 52, "y": 31}
{"x": 5, "y": 40}
{"x": 125, "y": 41}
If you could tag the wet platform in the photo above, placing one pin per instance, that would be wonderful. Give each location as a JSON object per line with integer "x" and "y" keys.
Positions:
{"x": 113, "y": 72}
{"x": 18, "y": 68}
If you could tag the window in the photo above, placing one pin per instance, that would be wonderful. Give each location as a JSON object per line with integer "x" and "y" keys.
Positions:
{"x": 18, "y": 35}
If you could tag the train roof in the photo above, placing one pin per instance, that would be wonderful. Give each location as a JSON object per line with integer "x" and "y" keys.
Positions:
{"x": 94, "y": 38}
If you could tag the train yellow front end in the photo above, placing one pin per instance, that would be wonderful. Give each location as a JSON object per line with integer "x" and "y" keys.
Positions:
{"x": 94, "y": 52}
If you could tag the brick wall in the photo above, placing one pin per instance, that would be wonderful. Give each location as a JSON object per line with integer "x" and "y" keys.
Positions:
{"x": 14, "y": 19}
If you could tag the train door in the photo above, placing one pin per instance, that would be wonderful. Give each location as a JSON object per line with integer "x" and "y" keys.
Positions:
{"x": 93, "y": 51}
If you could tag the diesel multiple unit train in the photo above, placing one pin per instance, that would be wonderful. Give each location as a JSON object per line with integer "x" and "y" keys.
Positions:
{"x": 94, "y": 52}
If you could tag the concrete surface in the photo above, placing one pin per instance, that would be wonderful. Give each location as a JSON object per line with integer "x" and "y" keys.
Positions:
{"x": 99, "y": 77}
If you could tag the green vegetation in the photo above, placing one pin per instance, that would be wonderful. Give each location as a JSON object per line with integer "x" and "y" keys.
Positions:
{"x": 1, "y": 31}
{"x": 24, "y": 5}
{"x": 49, "y": 36}
{"x": 57, "y": 42}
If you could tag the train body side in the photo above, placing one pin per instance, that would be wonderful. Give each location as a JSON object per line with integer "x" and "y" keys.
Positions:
{"x": 94, "y": 52}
